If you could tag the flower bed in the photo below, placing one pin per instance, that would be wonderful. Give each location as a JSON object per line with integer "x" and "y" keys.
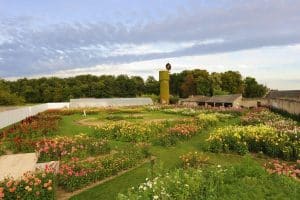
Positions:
{"x": 264, "y": 116}
{"x": 128, "y": 131}
{"x": 68, "y": 147}
{"x": 33, "y": 127}
{"x": 181, "y": 131}
{"x": 77, "y": 174}
{"x": 31, "y": 186}
{"x": 259, "y": 138}
{"x": 181, "y": 111}
{"x": 243, "y": 181}
{"x": 22, "y": 136}
{"x": 193, "y": 159}
{"x": 282, "y": 168}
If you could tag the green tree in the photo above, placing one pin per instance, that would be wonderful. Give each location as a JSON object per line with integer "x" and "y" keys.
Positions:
{"x": 203, "y": 82}
{"x": 253, "y": 89}
{"x": 152, "y": 86}
{"x": 232, "y": 82}
{"x": 189, "y": 86}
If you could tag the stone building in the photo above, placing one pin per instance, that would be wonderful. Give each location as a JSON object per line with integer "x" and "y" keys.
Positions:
{"x": 232, "y": 100}
{"x": 286, "y": 100}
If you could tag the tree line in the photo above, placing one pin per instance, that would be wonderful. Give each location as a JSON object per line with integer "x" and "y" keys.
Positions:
{"x": 182, "y": 85}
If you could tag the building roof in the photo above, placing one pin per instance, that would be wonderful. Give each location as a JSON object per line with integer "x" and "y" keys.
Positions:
{"x": 217, "y": 99}
{"x": 283, "y": 94}
{"x": 198, "y": 98}
{"x": 224, "y": 98}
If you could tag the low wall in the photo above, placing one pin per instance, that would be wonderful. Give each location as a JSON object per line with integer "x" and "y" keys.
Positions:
{"x": 290, "y": 106}
{"x": 13, "y": 116}
{"x": 109, "y": 102}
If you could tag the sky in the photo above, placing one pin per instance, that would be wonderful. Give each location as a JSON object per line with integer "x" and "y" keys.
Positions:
{"x": 259, "y": 38}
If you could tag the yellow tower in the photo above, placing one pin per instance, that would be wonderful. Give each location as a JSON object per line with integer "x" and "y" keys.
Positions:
{"x": 164, "y": 78}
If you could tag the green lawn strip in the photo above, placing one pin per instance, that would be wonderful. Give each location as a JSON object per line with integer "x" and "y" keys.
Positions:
{"x": 69, "y": 127}
{"x": 110, "y": 189}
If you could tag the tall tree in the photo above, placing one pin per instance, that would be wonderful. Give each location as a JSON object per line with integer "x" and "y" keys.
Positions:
{"x": 152, "y": 86}
{"x": 189, "y": 86}
{"x": 232, "y": 82}
{"x": 253, "y": 89}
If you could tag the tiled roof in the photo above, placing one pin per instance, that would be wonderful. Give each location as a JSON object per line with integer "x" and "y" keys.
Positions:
{"x": 224, "y": 98}
{"x": 283, "y": 94}
{"x": 218, "y": 99}
{"x": 197, "y": 98}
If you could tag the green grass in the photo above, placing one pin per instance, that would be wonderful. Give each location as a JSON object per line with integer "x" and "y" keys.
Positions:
{"x": 167, "y": 156}
{"x": 69, "y": 127}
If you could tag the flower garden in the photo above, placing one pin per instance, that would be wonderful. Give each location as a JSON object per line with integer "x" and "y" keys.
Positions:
{"x": 156, "y": 152}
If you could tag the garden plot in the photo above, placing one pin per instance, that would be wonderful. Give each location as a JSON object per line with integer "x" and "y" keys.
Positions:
{"x": 125, "y": 139}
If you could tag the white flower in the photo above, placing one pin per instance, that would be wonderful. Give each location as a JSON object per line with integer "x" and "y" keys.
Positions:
{"x": 219, "y": 166}
{"x": 155, "y": 197}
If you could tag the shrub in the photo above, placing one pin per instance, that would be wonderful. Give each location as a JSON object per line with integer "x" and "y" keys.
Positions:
{"x": 208, "y": 119}
{"x": 194, "y": 159}
{"x": 68, "y": 147}
{"x": 282, "y": 168}
{"x": 77, "y": 174}
{"x": 261, "y": 138}
{"x": 41, "y": 185}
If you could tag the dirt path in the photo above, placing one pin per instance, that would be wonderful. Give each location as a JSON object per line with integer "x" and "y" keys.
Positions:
{"x": 63, "y": 195}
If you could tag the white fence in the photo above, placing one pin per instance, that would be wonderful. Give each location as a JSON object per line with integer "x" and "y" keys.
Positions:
{"x": 109, "y": 102}
{"x": 13, "y": 116}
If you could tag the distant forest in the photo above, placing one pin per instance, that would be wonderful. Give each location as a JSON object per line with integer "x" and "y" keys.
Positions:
{"x": 182, "y": 85}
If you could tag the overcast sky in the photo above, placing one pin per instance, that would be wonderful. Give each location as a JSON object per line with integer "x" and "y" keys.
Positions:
{"x": 259, "y": 38}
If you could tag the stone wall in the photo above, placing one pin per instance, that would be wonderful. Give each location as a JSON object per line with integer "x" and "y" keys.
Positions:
{"x": 290, "y": 106}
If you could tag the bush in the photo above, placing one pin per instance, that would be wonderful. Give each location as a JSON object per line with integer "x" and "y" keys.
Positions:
{"x": 7, "y": 98}
{"x": 261, "y": 138}
{"x": 194, "y": 159}
{"x": 40, "y": 185}
{"x": 208, "y": 119}
{"x": 67, "y": 147}
{"x": 77, "y": 174}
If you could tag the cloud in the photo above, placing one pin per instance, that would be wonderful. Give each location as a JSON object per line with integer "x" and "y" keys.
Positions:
{"x": 28, "y": 47}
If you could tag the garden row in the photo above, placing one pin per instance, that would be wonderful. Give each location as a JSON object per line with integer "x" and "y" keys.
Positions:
{"x": 246, "y": 180}
{"x": 261, "y": 132}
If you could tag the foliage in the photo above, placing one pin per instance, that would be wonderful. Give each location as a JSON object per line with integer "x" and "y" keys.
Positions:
{"x": 80, "y": 146}
{"x": 260, "y": 138}
{"x": 194, "y": 159}
{"x": 282, "y": 168}
{"x": 164, "y": 132}
{"x": 7, "y": 98}
{"x": 243, "y": 181}
{"x": 21, "y": 137}
{"x": 253, "y": 89}
{"x": 183, "y": 84}
{"x": 232, "y": 82}
{"x": 208, "y": 119}
{"x": 39, "y": 185}
{"x": 181, "y": 111}
{"x": 77, "y": 174}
